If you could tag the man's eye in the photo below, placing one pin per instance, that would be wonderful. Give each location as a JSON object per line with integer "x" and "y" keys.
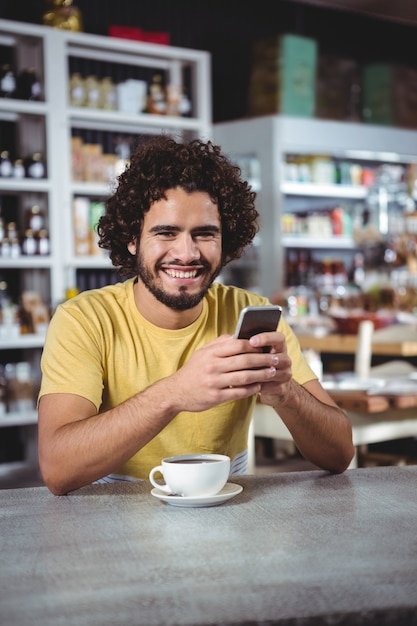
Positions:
{"x": 166, "y": 234}
{"x": 205, "y": 235}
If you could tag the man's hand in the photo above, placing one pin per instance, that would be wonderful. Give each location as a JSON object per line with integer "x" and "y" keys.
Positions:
{"x": 230, "y": 369}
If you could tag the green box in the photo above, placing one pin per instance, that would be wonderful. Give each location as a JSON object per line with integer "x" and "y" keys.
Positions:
{"x": 389, "y": 95}
{"x": 283, "y": 76}
{"x": 377, "y": 85}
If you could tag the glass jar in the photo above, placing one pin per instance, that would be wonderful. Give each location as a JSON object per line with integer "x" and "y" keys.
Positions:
{"x": 6, "y": 166}
{"x": 35, "y": 167}
{"x": 92, "y": 92}
{"x": 76, "y": 90}
{"x": 7, "y": 81}
{"x": 108, "y": 94}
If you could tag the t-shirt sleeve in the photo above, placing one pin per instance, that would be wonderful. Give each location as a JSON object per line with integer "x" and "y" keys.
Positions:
{"x": 71, "y": 360}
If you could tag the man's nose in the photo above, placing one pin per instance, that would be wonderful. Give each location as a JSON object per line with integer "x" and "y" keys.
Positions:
{"x": 186, "y": 247}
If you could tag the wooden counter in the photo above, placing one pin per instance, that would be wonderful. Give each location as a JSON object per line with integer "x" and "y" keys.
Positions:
{"x": 399, "y": 340}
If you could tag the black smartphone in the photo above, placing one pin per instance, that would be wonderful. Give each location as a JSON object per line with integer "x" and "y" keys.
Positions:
{"x": 257, "y": 319}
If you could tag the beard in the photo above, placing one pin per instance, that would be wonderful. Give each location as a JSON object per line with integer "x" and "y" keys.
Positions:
{"x": 181, "y": 301}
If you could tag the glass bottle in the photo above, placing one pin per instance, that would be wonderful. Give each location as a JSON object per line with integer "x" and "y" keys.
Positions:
{"x": 19, "y": 169}
{"x": 7, "y": 81}
{"x": 185, "y": 106}
{"x": 12, "y": 231}
{"x": 15, "y": 250}
{"x": 29, "y": 243}
{"x": 157, "y": 99}
{"x": 35, "y": 167}
{"x": 34, "y": 218}
{"x": 108, "y": 95}
{"x": 92, "y": 92}
{"x": 76, "y": 90}
{"x": 6, "y": 166}
{"x": 173, "y": 100}
{"x": 5, "y": 248}
{"x": 43, "y": 243}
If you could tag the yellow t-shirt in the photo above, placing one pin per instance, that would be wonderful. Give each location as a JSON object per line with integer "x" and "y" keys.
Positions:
{"x": 100, "y": 347}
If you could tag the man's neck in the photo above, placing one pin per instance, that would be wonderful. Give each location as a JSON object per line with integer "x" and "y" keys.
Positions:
{"x": 161, "y": 315}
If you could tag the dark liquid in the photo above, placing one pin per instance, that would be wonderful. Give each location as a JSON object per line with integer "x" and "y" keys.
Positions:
{"x": 194, "y": 461}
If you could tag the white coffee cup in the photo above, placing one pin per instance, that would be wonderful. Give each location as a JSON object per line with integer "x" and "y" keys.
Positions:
{"x": 192, "y": 475}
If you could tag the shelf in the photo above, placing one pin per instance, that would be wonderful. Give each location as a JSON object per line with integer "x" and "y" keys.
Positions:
{"x": 27, "y": 262}
{"x": 324, "y": 191}
{"x": 91, "y": 262}
{"x": 303, "y": 241}
{"x": 18, "y": 419}
{"x": 20, "y": 185}
{"x": 269, "y": 141}
{"x": 22, "y": 341}
{"x": 141, "y": 123}
{"x": 47, "y": 127}
{"x": 99, "y": 190}
{"x": 16, "y": 107}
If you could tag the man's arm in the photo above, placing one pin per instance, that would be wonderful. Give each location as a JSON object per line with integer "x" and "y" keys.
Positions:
{"x": 320, "y": 429}
{"x": 77, "y": 445}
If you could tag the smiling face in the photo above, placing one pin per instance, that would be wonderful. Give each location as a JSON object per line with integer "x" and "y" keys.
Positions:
{"x": 180, "y": 249}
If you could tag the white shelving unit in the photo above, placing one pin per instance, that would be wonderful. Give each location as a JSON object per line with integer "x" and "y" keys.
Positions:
{"x": 266, "y": 142}
{"x": 47, "y": 126}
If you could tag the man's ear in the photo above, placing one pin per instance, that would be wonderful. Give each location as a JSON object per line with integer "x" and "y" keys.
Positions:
{"x": 131, "y": 246}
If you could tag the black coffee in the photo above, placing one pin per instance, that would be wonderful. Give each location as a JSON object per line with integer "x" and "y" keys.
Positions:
{"x": 194, "y": 461}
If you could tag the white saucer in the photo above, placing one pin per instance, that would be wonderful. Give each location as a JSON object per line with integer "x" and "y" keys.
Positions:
{"x": 230, "y": 490}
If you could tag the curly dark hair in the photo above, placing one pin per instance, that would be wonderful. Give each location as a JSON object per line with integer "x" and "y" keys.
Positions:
{"x": 160, "y": 164}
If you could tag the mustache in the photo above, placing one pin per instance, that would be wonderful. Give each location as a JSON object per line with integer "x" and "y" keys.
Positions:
{"x": 200, "y": 264}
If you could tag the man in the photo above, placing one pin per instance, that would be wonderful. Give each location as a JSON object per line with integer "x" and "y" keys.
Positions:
{"x": 148, "y": 368}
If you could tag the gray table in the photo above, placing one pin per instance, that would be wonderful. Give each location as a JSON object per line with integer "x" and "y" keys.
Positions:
{"x": 296, "y": 548}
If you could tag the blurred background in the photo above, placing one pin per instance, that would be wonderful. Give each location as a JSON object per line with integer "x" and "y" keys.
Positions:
{"x": 364, "y": 31}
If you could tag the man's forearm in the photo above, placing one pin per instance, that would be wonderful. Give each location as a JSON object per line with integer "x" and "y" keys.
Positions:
{"x": 322, "y": 432}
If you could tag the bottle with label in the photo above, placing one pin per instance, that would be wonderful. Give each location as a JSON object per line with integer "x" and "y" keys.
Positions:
{"x": 29, "y": 243}
{"x": 43, "y": 243}
{"x": 20, "y": 389}
{"x": 7, "y": 81}
{"x": 76, "y": 90}
{"x": 35, "y": 218}
{"x": 108, "y": 94}
{"x": 173, "y": 100}
{"x": 11, "y": 232}
{"x": 157, "y": 99}
{"x": 6, "y": 166}
{"x": 92, "y": 92}
{"x": 35, "y": 167}
{"x": 185, "y": 106}
{"x": 19, "y": 169}
{"x": 15, "y": 250}
{"x": 5, "y": 248}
